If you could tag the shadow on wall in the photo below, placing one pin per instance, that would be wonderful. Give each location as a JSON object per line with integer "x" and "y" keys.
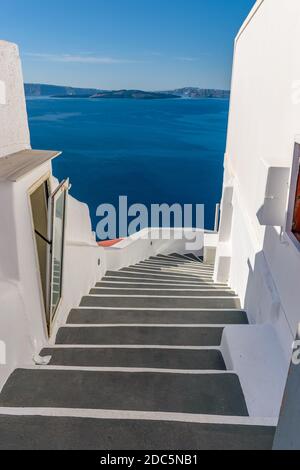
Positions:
{"x": 263, "y": 301}
{"x": 268, "y": 341}
{"x": 260, "y": 353}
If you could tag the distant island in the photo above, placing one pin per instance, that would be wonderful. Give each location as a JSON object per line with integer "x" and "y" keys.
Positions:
{"x": 54, "y": 91}
{"x": 125, "y": 94}
{"x": 198, "y": 93}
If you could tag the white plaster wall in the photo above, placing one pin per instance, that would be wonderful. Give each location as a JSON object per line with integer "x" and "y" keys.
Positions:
{"x": 22, "y": 315}
{"x": 22, "y": 320}
{"x": 264, "y": 124}
{"x": 14, "y": 133}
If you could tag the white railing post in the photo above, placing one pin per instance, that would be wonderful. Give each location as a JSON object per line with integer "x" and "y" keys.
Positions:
{"x": 217, "y": 217}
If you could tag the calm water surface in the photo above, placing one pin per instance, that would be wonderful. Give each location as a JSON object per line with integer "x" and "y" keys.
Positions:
{"x": 163, "y": 151}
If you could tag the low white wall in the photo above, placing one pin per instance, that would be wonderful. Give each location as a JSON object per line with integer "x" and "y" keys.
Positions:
{"x": 149, "y": 242}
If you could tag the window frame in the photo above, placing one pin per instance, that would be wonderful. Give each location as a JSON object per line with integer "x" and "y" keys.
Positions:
{"x": 295, "y": 173}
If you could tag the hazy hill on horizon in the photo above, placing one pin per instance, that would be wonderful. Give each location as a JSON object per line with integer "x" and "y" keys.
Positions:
{"x": 45, "y": 90}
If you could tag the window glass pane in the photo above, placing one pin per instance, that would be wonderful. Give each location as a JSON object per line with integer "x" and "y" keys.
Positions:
{"x": 57, "y": 250}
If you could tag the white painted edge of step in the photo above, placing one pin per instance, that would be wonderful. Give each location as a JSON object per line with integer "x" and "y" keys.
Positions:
{"x": 142, "y": 325}
{"x": 120, "y": 279}
{"x": 140, "y": 416}
{"x": 103, "y": 296}
{"x": 134, "y": 346}
{"x": 164, "y": 309}
{"x": 157, "y": 289}
{"x": 186, "y": 279}
{"x": 196, "y": 284}
{"x": 131, "y": 370}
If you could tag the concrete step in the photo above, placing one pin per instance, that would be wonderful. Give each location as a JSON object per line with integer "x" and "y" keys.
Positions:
{"x": 159, "y": 284}
{"x": 188, "y": 256}
{"x": 172, "y": 269}
{"x": 162, "y": 292}
{"x": 167, "y": 271}
{"x": 137, "y": 278}
{"x": 140, "y": 358}
{"x": 140, "y": 335}
{"x": 194, "y": 257}
{"x": 161, "y": 302}
{"x": 175, "y": 269}
{"x": 215, "y": 393}
{"x": 108, "y": 316}
{"x": 157, "y": 276}
{"x": 72, "y": 433}
{"x": 176, "y": 264}
{"x": 176, "y": 259}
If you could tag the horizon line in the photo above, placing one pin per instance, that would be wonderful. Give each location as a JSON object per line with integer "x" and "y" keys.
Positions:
{"x": 129, "y": 89}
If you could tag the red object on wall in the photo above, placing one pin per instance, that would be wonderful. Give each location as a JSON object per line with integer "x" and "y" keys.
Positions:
{"x": 296, "y": 219}
{"x": 108, "y": 243}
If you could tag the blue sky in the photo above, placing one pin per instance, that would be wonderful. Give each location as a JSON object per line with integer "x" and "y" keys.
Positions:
{"x": 112, "y": 44}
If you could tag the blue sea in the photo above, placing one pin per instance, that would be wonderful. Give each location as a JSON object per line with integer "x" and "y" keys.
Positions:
{"x": 157, "y": 151}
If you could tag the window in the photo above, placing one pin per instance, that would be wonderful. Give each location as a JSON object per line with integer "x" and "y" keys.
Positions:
{"x": 39, "y": 208}
{"x": 57, "y": 233}
{"x": 48, "y": 214}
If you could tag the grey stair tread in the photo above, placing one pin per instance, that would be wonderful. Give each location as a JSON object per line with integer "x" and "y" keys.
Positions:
{"x": 163, "y": 292}
{"x": 185, "y": 257}
{"x": 166, "y": 271}
{"x": 60, "y": 433}
{"x": 193, "y": 257}
{"x": 153, "y": 285}
{"x": 218, "y": 394}
{"x": 153, "y": 280}
{"x": 141, "y": 358}
{"x": 172, "y": 269}
{"x": 176, "y": 264}
{"x": 140, "y": 335}
{"x": 177, "y": 259}
{"x": 102, "y": 316}
{"x": 159, "y": 302}
{"x": 157, "y": 275}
